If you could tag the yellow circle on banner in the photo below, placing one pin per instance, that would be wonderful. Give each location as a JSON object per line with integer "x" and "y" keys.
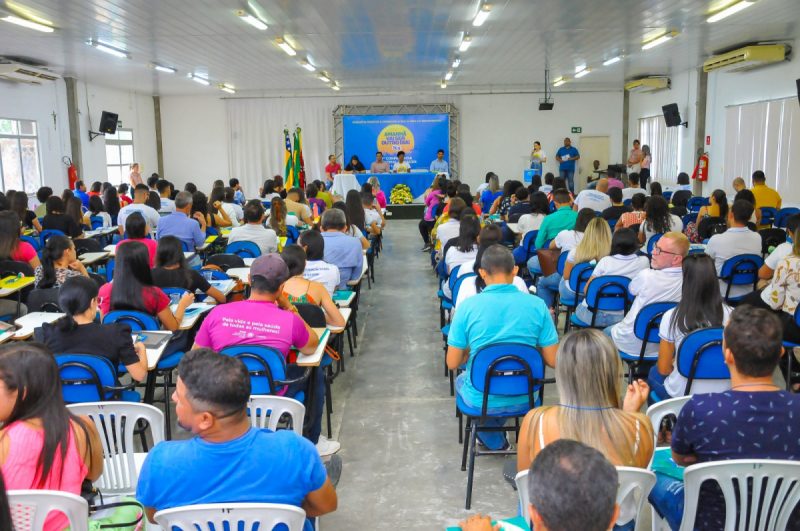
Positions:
{"x": 394, "y": 138}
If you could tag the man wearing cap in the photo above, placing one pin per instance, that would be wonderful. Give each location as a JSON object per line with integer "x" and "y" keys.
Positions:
{"x": 268, "y": 319}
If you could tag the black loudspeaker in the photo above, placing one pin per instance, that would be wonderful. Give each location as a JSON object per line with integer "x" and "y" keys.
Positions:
{"x": 108, "y": 122}
{"x": 545, "y": 105}
{"x": 672, "y": 116}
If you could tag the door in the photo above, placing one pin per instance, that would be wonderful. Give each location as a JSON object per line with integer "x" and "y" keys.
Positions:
{"x": 591, "y": 148}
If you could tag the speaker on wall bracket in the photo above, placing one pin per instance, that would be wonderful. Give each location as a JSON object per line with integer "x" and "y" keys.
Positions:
{"x": 672, "y": 116}
{"x": 108, "y": 125}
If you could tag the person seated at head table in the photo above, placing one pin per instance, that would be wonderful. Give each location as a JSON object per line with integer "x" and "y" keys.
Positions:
{"x": 354, "y": 166}
{"x": 379, "y": 166}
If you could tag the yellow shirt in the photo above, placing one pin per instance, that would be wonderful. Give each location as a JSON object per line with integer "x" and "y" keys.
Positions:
{"x": 766, "y": 196}
{"x": 325, "y": 196}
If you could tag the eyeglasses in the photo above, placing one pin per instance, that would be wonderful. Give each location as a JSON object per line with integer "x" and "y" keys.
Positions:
{"x": 658, "y": 250}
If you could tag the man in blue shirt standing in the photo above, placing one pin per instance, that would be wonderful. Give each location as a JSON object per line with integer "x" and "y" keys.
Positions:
{"x": 227, "y": 460}
{"x": 498, "y": 314}
{"x": 440, "y": 165}
{"x": 341, "y": 249}
{"x": 566, "y": 157}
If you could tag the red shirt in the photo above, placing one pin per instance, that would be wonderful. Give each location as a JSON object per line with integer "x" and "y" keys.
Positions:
{"x": 154, "y": 299}
{"x": 23, "y": 253}
{"x": 333, "y": 169}
{"x": 124, "y": 200}
{"x": 152, "y": 247}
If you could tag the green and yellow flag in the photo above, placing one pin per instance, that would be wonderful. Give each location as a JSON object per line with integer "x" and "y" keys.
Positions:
{"x": 288, "y": 173}
{"x": 299, "y": 164}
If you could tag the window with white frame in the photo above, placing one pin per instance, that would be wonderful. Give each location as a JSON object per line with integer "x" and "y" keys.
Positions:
{"x": 20, "y": 168}
{"x": 663, "y": 143}
{"x": 119, "y": 155}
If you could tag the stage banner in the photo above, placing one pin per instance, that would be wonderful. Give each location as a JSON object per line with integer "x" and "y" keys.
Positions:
{"x": 420, "y": 136}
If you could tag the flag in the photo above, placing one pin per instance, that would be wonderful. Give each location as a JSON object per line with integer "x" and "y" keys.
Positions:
{"x": 299, "y": 165}
{"x": 288, "y": 173}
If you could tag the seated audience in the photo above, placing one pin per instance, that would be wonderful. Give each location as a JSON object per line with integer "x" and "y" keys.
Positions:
{"x": 783, "y": 292}
{"x": 502, "y": 204}
{"x": 238, "y": 193}
{"x": 373, "y": 219}
{"x": 633, "y": 187}
{"x": 317, "y": 269}
{"x": 655, "y": 189}
{"x": 228, "y": 460}
{"x": 153, "y": 201}
{"x": 296, "y": 204}
{"x": 657, "y": 219}
{"x": 380, "y": 197}
{"x": 80, "y": 193}
{"x": 233, "y": 210}
{"x": 172, "y": 270}
{"x": 300, "y": 290}
{"x": 499, "y": 314}
{"x": 465, "y": 246}
{"x": 434, "y": 196}
{"x": 57, "y": 219}
{"x": 613, "y": 180}
{"x": 448, "y": 230}
{"x": 78, "y": 332}
{"x": 217, "y": 215}
{"x": 139, "y": 205}
{"x": 19, "y": 204}
{"x": 661, "y": 283}
{"x": 635, "y": 217}
{"x": 533, "y": 221}
{"x": 765, "y": 196}
{"x": 96, "y": 210}
{"x": 124, "y": 198}
{"x": 683, "y": 182}
{"x": 268, "y": 192}
{"x": 596, "y": 200}
{"x": 738, "y": 184}
{"x": 311, "y": 194}
{"x": 562, "y": 219}
{"x": 253, "y": 229}
{"x": 42, "y": 445}
{"x": 341, "y": 250}
{"x": 780, "y": 252}
{"x": 617, "y": 208}
{"x": 165, "y": 193}
{"x": 59, "y": 262}
{"x": 112, "y": 204}
{"x": 190, "y": 231}
{"x": 735, "y": 241}
{"x": 137, "y": 230}
{"x": 700, "y": 306}
{"x": 520, "y": 205}
{"x": 11, "y": 246}
{"x": 622, "y": 260}
{"x": 748, "y": 196}
{"x": 710, "y": 427}
{"x": 42, "y": 195}
{"x": 717, "y": 207}
{"x": 490, "y": 192}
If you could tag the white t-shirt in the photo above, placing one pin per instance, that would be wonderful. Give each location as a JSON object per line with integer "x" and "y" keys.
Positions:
{"x": 628, "y": 193}
{"x": 401, "y": 167}
{"x": 626, "y": 265}
{"x": 167, "y": 205}
{"x": 270, "y": 197}
{"x": 675, "y": 225}
{"x": 777, "y": 255}
{"x": 468, "y": 289}
{"x": 105, "y": 216}
{"x": 481, "y": 188}
{"x": 733, "y": 242}
{"x": 454, "y": 257}
{"x": 650, "y": 285}
{"x": 266, "y": 239}
{"x": 675, "y": 383}
{"x": 447, "y": 230}
{"x": 546, "y": 188}
{"x": 567, "y": 240}
{"x": 529, "y": 222}
{"x": 150, "y": 215}
{"x": 467, "y": 267}
{"x": 597, "y": 201}
{"x": 230, "y": 209}
{"x": 371, "y": 216}
{"x": 322, "y": 272}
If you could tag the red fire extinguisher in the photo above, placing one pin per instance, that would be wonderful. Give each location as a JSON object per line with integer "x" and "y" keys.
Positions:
{"x": 72, "y": 172}
{"x": 701, "y": 169}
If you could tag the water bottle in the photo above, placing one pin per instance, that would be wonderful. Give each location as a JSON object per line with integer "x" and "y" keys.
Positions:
{"x": 208, "y": 275}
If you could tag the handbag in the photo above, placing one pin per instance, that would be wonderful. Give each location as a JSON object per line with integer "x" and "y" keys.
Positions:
{"x": 548, "y": 260}
{"x": 109, "y": 521}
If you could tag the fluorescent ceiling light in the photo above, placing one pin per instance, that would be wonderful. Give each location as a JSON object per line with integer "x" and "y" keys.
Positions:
{"x": 659, "y": 40}
{"x": 324, "y": 77}
{"x": 111, "y": 50}
{"x": 611, "y": 61}
{"x": 443, "y": 84}
{"x": 283, "y": 45}
{"x": 308, "y": 66}
{"x": 250, "y": 19}
{"x": 730, "y": 10}
{"x": 582, "y": 73}
{"x": 25, "y": 23}
{"x": 198, "y": 79}
{"x": 580, "y": 67}
{"x": 483, "y": 14}
{"x": 456, "y": 62}
{"x": 227, "y": 87}
{"x": 335, "y": 85}
{"x": 165, "y": 69}
{"x": 448, "y": 76}
{"x": 465, "y": 43}
{"x": 557, "y": 82}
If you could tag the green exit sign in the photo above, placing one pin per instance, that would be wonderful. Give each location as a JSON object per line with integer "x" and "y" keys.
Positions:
{"x": 577, "y": 129}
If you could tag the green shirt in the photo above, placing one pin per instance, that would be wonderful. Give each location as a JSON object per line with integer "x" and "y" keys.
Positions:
{"x": 562, "y": 219}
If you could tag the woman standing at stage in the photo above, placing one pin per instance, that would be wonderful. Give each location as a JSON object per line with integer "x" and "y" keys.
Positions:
{"x": 538, "y": 158}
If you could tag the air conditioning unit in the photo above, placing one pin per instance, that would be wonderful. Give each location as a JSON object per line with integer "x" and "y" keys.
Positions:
{"x": 23, "y": 73}
{"x": 747, "y": 58}
{"x": 648, "y": 84}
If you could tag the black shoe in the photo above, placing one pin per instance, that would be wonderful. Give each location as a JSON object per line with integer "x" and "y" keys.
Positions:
{"x": 510, "y": 470}
{"x": 426, "y": 248}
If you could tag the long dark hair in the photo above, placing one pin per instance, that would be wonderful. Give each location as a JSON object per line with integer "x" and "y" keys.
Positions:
{"x": 268, "y": 188}
{"x": 9, "y": 234}
{"x": 170, "y": 253}
{"x": 75, "y": 297}
{"x": 96, "y": 205}
{"x": 217, "y": 194}
{"x": 468, "y": 230}
{"x": 136, "y": 226}
{"x": 489, "y": 235}
{"x": 153, "y": 201}
{"x": 656, "y": 215}
{"x": 131, "y": 277}
{"x": 73, "y": 210}
{"x": 722, "y": 202}
{"x": 354, "y": 210}
{"x": 52, "y": 252}
{"x": 19, "y": 204}
{"x": 30, "y": 369}
{"x": 295, "y": 258}
{"x": 200, "y": 204}
{"x": 655, "y": 189}
{"x": 701, "y": 302}
{"x": 111, "y": 201}
{"x": 585, "y": 216}
{"x": 539, "y": 203}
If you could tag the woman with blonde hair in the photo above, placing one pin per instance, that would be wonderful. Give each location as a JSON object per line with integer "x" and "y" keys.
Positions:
{"x": 595, "y": 244}
{"x": 591, "y": 408}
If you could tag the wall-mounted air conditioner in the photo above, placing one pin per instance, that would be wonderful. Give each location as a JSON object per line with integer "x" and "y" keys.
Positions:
{"x": 22, "y": 73}
{"x": 747, "y": 58}
{"x": 648, "y": 84}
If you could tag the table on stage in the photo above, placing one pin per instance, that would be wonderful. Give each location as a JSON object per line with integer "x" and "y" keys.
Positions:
{"x": 418, "y": 182}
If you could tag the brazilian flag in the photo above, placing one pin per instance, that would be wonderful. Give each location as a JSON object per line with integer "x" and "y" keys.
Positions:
{"x": 288, "y": 173}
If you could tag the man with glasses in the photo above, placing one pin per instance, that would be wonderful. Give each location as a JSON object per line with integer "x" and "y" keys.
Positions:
{"x": 662, "y": 282}
{"x": 227, "y": 460}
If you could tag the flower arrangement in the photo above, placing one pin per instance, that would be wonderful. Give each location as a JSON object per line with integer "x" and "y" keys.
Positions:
{"x": 401, "y": 195}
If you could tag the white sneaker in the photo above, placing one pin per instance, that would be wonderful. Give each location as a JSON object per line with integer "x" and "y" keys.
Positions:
{"x": 326, "y": 446}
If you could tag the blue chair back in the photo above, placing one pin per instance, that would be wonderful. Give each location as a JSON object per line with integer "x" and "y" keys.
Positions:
{"x": 110, "y": 270}
{"x": 507, "y": 369}
{"x": 292, "y": 235}
{"x": 266, "y": 366}
{"x": 688, "y": 218}
{"x": 645, "y": 327}
{"x": 528, "y": 245}
{"x": 562, "y": 260}
{"x": 608, "y": 293}
{"x": 212, "y": 231}
{"x": 627, "y": 202}
{"x": 136, "y": 320}
{"x": 46, "y": 234}
{"x": 700, "y": 357}
{"x": 174, "y": 294}
{"x": 667, "y": 195}
{"x": 783, "y": 215}
{"x": 452, "y": 277}
{"x": 696, "y": 203}
{"x": 84, "y": 378}
{"x": 244, "y": 249}
{"x": 31, "y": 240}
{"x": 579, "y": 276}
{"x": 742, "y": 269}
{"x": 267, "y": 204}
{"x": 96, "y": 222}
{"x": 459, "y": 281}
{"x": 768, "y": 215}
{"x": 652, "y": 243}
{"x": 216, "y": 275}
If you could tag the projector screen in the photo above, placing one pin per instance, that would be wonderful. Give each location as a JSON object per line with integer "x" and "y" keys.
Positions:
{"x": 419, "y": 135}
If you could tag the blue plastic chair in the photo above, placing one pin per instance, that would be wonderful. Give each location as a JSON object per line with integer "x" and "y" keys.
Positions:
{"x": 292, "y": 235}
{"x": 212, "y": 231}
{"x": 31, "y": 240}
{"x": 446, "y": 303}
{"x": 627, "y": 202}
{"x": 608, "y": 293}
{"x": 96, "y": 222}
{"x": 505, "y": 370}
{"x": 688, "y": 218}
{"x": 739, "y": 271}
{"x": 46, "y": 234}
{"x": 768, "y": 215}
{"x": 526, "y": 249}
{"x": 695, "y": 203}
{"x": 700, "y": 357}
{"x": 578, "y": 277}
{"x": 651, "y": 243}
{"x": 667, "y": 195}
{"x": 783, "y": 215}
{"x": 455, "y": 288}
{"x": 789, "y": 345}
{"x": 174, "y": 294}
{"x": 645, "y": 329}
{"x": 267, "y": 369}
{"x": 243, "y": 249}
{"x": 87, "y": 378}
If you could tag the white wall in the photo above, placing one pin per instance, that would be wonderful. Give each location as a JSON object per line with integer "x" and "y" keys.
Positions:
{"x": 683, "y": 91}
{"x": 39, "y": 102}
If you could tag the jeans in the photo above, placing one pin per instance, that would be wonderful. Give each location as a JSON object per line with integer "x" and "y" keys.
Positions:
{"x": 656, "y": 382}
{"x": 604, "y": 319}
{"x": 569, "y": 175}
{"x": 292, "y": 372}
{"x": 533, "y": 266}
{"x": 493, "y": 440}
{"x": 667, "y": 499}
{"x": 546, "y": 288}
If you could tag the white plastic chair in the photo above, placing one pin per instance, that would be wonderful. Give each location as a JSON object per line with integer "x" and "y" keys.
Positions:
{"x": 635, "y": 482}
{"x": 780, "y": 481}
{"x": 658, "y": 411}
{"x": 30, "y": 508}
{"x": 266, "y": 410}
{"x": 240, "y": 516}
{"x": 116, "y": 421}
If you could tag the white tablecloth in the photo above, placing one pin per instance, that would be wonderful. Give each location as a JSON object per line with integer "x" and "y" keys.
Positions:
{"x": 343, "y": 183}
